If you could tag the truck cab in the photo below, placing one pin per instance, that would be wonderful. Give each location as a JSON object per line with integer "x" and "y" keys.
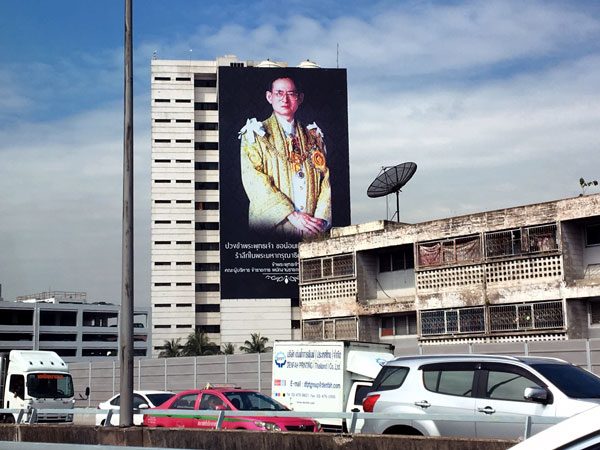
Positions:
{"x": 36, "y": 380}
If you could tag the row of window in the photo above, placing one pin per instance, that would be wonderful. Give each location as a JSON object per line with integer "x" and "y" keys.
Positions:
{"x": 198, "y": 186}
{"x": 199, "y": 246}
{"x": 211, "y": 307}
{"x": 204, "y": 165}
{"x": 200, "y": 267}
{"x": 207, "y": 206}
{"x": 198, "y": 106}
{"x": 197, "y": 82}
{"x": 197, "y": 145}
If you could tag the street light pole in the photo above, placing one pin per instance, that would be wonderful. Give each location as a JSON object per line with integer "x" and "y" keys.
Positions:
{"x": 126, "y": 319}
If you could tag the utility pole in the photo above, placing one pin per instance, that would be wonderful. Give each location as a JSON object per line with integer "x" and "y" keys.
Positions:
{"x": 126, "y": 319}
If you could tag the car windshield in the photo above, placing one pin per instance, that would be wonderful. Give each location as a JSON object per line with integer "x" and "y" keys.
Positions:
{"x": 159, "y": 398}
{"x": 574, "y": 381}
{"x": 253, "y": 401}
{"x": 50, "y": 385}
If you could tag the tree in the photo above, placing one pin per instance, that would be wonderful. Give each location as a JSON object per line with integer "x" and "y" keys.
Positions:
{"x": 171, "y": 349}
{"x": 199, "y": 344}
{"x": 228, "y": 349}
{"x": 257, "y": 344}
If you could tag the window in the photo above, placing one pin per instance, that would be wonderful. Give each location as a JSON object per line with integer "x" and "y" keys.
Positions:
{"x": 295, "y": 302}
{"x": 183, "y": 181}
{"x": 207, "y": 166}
{"x": 183, "y": 120}
{"x": 162, "y": 78}
{"x": 390, "y": 377}
{"x": 594, "y": 313}
{"x": 592, "y": 234}
{"x": 162, "y": 326}
{"x": 183, "y": 79}
{"x": 162, "y": 161}
{"x": 205, "y": 83}
{"x": 396, "y": 258}
{"x": 161, "y": 202}
{"x": 183, "y": 242}
{"x": 183, "y": 263}
{"x": 162, "y": 242}
{"x": 183, "y": 284}
{"x": 162, "y": 263}
{"x": 295, "y": 324}
{"x": 185, "y": 402}
{"x": 183, "y": 141}
{"x": 340, "y": 266}
{"x": 183, "y": 161}
{"x": 206, "y": 106}
{"x": 162, "y": 181}
{"x": 401, "y": 325}
{"x": 183, "y": 305}
{"x": 208, "y": 328}
{"x": 208, "y": 308}
{"x": 506, "y": 384}
{"x": 162, "y": 120}
{"x": 207, "y": 146}
{"x": 449, "y": 378}
{"x": 207, "y": 246}
{"x": 207, "y": 267}
{"x": 206, "y": 126}
{"x": 162, "y": 141}
{"x": 207, "y": 206}
{"x": 207, "y": 225}
{"x": 162, "y": 100}
{"x": 162, "y": 222}
{"x": 183, "y": 326}
{"x": 183, "y": 222}
{"x": 162, "y": 305}
{"x": 450, "y": 251}
{"x": 162, "y": 284}
{"x": 183, "y": 100}
{"x": 183, "y": 201}
{"x": 207, "y": 185}
{"x": 207, "y": 287}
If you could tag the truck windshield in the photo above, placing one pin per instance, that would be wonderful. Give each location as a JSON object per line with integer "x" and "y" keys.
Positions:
{"x": 50, "y": 385}
{"x": 574, "y": 381}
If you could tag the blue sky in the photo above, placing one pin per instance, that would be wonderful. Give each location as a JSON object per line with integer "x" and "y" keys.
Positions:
{"x": 496, "y": 101}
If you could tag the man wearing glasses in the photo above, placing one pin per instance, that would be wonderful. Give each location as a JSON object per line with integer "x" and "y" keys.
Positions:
{"x": 284, "y": 170}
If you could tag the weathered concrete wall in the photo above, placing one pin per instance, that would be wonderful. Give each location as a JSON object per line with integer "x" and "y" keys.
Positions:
{"x": 235, "y": 439}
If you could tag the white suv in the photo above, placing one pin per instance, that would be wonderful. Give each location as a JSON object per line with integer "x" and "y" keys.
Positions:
{"x": 478, "y": 388}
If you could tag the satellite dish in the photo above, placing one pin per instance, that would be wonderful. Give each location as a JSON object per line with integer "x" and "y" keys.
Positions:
{"x": 390, "y": 180}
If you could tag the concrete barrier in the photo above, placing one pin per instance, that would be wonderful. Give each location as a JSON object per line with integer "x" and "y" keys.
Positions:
{"x": 234, "y": 439}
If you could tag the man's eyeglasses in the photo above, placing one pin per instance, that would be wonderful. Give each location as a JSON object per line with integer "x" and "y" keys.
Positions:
{"x": 291, "y": 94}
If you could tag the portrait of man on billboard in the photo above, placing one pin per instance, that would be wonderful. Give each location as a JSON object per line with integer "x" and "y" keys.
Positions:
{"x": 283, "y": 165}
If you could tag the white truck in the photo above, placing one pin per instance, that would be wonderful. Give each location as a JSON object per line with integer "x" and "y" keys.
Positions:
{"x": 35, "y": 380}
{"x": 326, "y": 376}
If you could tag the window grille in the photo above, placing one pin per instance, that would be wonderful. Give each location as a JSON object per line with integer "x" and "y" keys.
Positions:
{"x": 327, "y": 268}
{"x": 330, "y": 329}
{"x": 594, "y": 313}
{"x": 531, "y": 316}
{"x": 453, "y": 321}
{"x": 449, "y": 252}
{"x": 521, "y": 241}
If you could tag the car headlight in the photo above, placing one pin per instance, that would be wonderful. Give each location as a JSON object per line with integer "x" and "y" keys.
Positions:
{"x": 270, "y": 426}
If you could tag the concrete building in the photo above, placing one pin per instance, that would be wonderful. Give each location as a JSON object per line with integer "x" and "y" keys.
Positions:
{"x": 530, "y": 272}
{"x": 65, "y": 323}
{"x": 185, "y": 275}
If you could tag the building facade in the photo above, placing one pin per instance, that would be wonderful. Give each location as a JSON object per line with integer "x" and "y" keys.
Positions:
{"x": 185, "y": 274}
{"x": 523, "y": 273}
{"x": 65, "y": 323}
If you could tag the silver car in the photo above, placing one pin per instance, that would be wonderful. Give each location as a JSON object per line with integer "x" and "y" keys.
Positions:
{"x": 478, "y": 389}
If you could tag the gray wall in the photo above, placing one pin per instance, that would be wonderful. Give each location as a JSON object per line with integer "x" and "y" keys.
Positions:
{"x": 253, "y": 371}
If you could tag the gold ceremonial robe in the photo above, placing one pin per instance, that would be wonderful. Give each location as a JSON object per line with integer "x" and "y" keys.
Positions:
{"x": 269, "y": 161}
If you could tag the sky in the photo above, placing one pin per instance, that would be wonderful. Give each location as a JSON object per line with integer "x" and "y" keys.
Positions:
{"x": 497, "y": 102}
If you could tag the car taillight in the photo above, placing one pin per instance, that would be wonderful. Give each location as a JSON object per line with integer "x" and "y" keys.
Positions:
{"x": 369, "y": 402}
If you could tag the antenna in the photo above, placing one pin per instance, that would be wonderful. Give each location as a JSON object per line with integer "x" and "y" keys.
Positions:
{"x": 392, "y": 179}
{"x": 337, "y": 55}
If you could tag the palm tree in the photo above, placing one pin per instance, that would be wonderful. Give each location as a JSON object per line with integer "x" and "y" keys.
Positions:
{"x": 228, "y": 349}
{"x": 171, "y": 349}
{"x": 199, "y": 344}
{"x": 258, "y": 344}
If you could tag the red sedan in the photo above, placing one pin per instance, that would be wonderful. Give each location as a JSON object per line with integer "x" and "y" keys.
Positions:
{"x": 231, "y": 399}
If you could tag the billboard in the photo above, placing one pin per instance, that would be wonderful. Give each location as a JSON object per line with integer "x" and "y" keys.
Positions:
{"x": 283, "y": 172}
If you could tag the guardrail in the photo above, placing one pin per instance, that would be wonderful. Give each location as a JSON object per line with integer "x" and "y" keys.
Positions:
{"x": 29, "y": 416}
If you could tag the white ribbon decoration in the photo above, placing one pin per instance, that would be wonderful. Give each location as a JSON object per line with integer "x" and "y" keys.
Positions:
{"x": 252, "y": 126}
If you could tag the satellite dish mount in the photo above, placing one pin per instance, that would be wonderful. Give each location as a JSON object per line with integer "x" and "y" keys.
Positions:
{"x": 390, "y": 180}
